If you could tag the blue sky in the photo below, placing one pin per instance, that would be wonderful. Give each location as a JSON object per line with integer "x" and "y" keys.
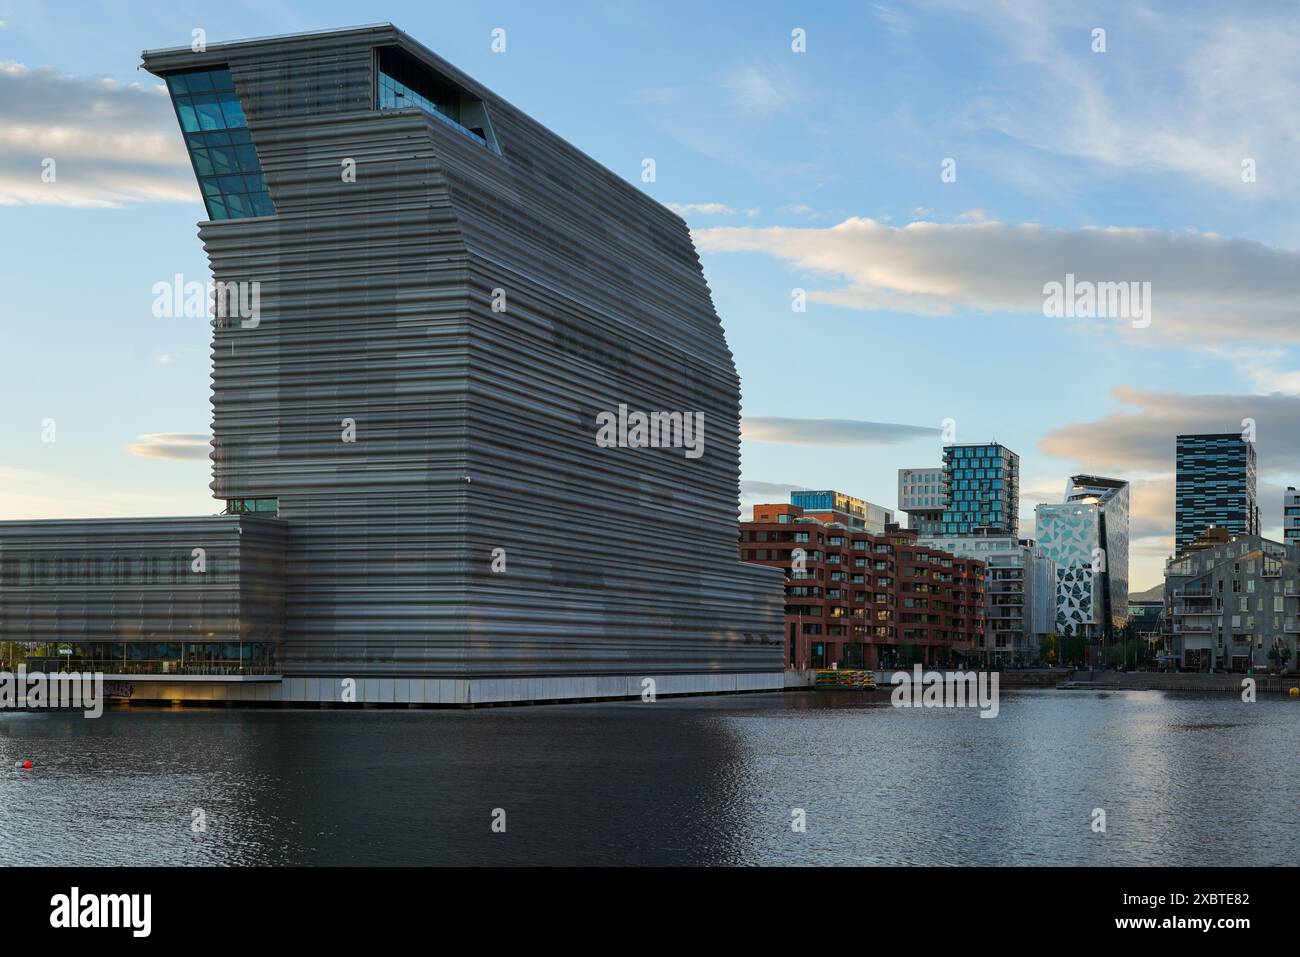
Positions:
{"x": 818, "y": 170}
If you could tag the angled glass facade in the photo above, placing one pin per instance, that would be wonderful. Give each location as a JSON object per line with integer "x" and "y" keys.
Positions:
{"x": 1087, "y": 537}
{"x": 216, "y": 135}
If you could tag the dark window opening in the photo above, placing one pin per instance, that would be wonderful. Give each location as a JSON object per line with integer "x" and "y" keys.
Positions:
{"x": 251, "y": 506}
{"x": 405, "y": 82}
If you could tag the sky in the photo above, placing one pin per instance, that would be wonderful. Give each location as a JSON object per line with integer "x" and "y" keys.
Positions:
{"x": 915, "y": 174}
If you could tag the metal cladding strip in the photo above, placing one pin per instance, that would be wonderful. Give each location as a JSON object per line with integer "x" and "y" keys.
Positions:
{"x": 473, "y": 429}
{"x": 134, "y": 579}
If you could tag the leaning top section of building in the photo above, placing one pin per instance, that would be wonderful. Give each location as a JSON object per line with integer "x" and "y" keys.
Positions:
{"x": 479, "y": 377}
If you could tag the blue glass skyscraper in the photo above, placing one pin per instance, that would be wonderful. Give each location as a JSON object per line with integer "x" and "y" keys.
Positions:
{"x": 982, "y": 488}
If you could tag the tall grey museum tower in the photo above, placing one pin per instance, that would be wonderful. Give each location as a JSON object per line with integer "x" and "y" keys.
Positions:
{"x": 449, "y": 298}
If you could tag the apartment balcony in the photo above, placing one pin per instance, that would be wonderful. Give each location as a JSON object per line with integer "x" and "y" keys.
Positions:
{"x": 1199, "y": 610}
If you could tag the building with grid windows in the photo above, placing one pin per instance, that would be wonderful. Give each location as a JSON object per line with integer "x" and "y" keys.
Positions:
{"x": 1214, "y": 485}
{"x": 922, "y": 497}
{"x": 1291, "y": 516}
{"x": 982, "y": 488}
{"x": 855, "y": 599}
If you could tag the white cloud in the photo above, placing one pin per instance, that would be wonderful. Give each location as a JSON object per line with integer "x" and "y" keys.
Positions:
{"x": 172, "y": 445}
{"x": 1204, "y": 287}
{"x": 763, "y": 493}
{"x": 1268, "y": 369}
{"x": 111, "y": 144}
{"x": 1141, "y": 436}
{"x": 757, "y": 489}
{"x": 701, "y": 209}
{"x": 1193, "y": 95}
{"x": 754, "y": 90}
{"x": 828, "y": 432}
{"x": 893, "y": 20}
{"x": 29, "y": 494}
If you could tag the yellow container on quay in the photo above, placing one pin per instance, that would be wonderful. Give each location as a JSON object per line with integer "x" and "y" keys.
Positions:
{"x": 845, "y": 679}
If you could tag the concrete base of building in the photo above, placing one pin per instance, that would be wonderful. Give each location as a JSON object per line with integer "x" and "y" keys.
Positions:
{"x": 439, "y": 692}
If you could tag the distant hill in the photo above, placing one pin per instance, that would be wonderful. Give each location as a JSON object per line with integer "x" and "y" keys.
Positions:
{"x": 1154, "y": 593}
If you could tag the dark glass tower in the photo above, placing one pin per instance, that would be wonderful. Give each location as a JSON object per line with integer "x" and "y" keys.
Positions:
{"x": 1215, "y": 486}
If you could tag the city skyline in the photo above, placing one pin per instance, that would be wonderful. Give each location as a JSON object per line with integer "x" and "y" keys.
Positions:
{"x": 929, "y": 293}
{"x": 742, "y": 435}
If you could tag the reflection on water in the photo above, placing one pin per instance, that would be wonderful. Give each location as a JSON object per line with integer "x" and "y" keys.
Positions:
{"x": 1183, "y": 780}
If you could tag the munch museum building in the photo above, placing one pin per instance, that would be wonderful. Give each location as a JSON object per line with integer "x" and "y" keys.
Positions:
{"x": 414, "y": 506}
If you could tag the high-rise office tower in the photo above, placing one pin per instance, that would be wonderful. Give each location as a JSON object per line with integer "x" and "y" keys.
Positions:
{"x": 981, "y": 485}
{"x": 1215, "y": 485}
{"x": 1086, "y": 535}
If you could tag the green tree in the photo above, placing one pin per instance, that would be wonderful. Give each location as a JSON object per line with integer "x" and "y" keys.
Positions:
{"x": 1050, "y": 649}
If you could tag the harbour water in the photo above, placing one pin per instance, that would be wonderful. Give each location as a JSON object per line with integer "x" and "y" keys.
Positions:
{"x": 1183, "y": 780}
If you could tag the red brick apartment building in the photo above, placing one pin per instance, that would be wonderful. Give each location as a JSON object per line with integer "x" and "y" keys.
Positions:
{"x": 864, "y": 600}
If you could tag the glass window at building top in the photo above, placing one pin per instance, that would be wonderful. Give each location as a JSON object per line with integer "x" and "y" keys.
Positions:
{"x": 405, "y": 82}
{"x": 216, "y": 135}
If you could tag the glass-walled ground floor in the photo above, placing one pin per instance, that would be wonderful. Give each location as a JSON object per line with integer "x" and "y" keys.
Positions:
{"x": 145, "y": 657}
{"x": 813, "y": 652}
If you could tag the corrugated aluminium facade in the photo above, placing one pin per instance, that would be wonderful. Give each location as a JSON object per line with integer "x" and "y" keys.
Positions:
{"x": 195, "y": 595}
{"x": 437, "y": 337}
